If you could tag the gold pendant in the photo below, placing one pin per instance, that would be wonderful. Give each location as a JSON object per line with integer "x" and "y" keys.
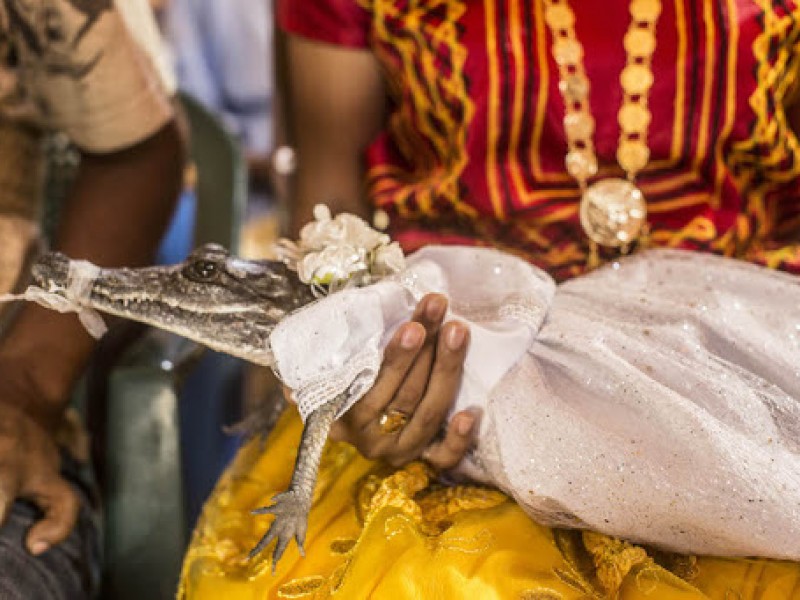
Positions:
{"x": 613, "y": 212}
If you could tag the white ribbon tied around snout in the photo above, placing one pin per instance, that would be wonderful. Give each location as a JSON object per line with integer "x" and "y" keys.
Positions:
{"x": 80, "y": 279}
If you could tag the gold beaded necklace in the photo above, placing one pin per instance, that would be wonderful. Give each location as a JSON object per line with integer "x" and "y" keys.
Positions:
{"x": 613, "y": 212}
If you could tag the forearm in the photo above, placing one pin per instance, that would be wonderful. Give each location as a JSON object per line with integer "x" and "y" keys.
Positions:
{"x": 336, "y": 182}
{"x": 337, "y": 100}
{"x": 121, "y": 203}
{"x": 115, "y": 215}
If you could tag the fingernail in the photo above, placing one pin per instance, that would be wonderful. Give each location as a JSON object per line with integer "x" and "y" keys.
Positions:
{"x": 464, "y": 425}
{"x": 436, "y": 307}
{"x": 455, "y": 337}
{"x": 39, "y": 547}
{"x": 410, "y": 338}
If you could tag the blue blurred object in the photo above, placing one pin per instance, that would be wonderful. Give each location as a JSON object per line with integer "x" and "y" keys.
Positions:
{"x": 209, "y": 399}
{"x": 223, "y": 59}
{"x": 223, "y": 56}
{"x": 178, "y": 241}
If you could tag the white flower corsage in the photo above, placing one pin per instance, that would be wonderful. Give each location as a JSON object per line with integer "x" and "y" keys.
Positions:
{"x": 334, "y": 253}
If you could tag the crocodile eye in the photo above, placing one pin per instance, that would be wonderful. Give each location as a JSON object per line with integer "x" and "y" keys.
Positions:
{"x": 203, "y": 270}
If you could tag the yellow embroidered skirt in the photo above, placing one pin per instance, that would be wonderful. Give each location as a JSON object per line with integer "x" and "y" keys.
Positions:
{"x": 378, "y": 533}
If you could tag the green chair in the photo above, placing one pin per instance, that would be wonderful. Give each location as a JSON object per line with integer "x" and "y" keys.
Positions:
{"x": 222, "y": 178}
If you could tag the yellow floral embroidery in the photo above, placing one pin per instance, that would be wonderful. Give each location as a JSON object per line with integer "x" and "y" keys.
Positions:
{"x": 613, "y": 558}
{"x": 300, "y": 588}
{"x": 377, "y": 533}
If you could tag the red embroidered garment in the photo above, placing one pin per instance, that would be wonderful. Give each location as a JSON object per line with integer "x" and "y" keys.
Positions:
{"x": 474, "y": 147}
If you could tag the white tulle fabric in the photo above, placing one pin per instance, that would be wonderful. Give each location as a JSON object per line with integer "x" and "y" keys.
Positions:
{"x": 656, "y": 399}
{"x": 337, "y": 343}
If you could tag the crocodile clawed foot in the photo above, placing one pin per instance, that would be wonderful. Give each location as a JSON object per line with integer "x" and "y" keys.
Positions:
{"x": 291, "y": 519}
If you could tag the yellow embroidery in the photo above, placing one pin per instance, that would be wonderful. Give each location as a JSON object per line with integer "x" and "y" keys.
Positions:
{"x": 300, "y": 588}
{"x": 343, "y": 546}
{"x": 540, "y": 595}
{"x": 775, "y": 258}
{"x": 430, "y": 508}
{"x": 613, "y": 558}
{"x": 417, "y": 531}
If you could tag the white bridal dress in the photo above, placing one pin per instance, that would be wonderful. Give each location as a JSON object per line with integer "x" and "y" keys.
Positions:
{"x": 656, "y": 399}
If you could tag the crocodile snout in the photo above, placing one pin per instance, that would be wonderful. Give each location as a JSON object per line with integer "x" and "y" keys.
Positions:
{"x": 51, "y": 271}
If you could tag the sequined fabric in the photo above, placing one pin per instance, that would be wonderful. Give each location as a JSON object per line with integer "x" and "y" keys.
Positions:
{"x": 656, "y": 399}
{"x": 336, "y": 344}
{"x": 659, "y": 403}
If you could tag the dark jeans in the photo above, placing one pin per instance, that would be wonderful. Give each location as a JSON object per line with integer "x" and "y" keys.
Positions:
{"x": 69, "y": 571}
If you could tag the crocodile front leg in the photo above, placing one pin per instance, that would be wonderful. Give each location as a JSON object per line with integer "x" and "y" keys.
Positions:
{"x": 291, "y": 507}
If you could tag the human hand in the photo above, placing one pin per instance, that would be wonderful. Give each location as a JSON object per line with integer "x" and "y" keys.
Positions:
{"x": 30, "y": 464}
{"x": 420, "y": 377}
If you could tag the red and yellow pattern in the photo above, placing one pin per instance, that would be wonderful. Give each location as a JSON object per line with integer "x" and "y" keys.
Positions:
{"x": 474, "y": 150}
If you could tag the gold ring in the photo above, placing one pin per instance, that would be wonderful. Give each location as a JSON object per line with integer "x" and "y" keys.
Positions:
{"x": 392, "y": 421}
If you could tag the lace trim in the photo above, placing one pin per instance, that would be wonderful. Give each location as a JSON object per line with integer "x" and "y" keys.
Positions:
{"x": 358, "y": 374}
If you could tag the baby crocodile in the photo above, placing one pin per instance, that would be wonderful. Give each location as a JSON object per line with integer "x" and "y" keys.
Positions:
{"x": 227, "y": 304}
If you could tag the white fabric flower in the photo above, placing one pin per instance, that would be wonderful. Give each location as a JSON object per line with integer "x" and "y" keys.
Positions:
{"x": 388, "y": 259}
{"x": 344, "y": 229}
{"x": 341, "y": 251}
{"x": 333, "y": 264}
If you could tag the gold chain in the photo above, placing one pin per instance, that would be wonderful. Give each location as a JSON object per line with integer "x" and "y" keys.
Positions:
{"x": 613, "y": 210}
